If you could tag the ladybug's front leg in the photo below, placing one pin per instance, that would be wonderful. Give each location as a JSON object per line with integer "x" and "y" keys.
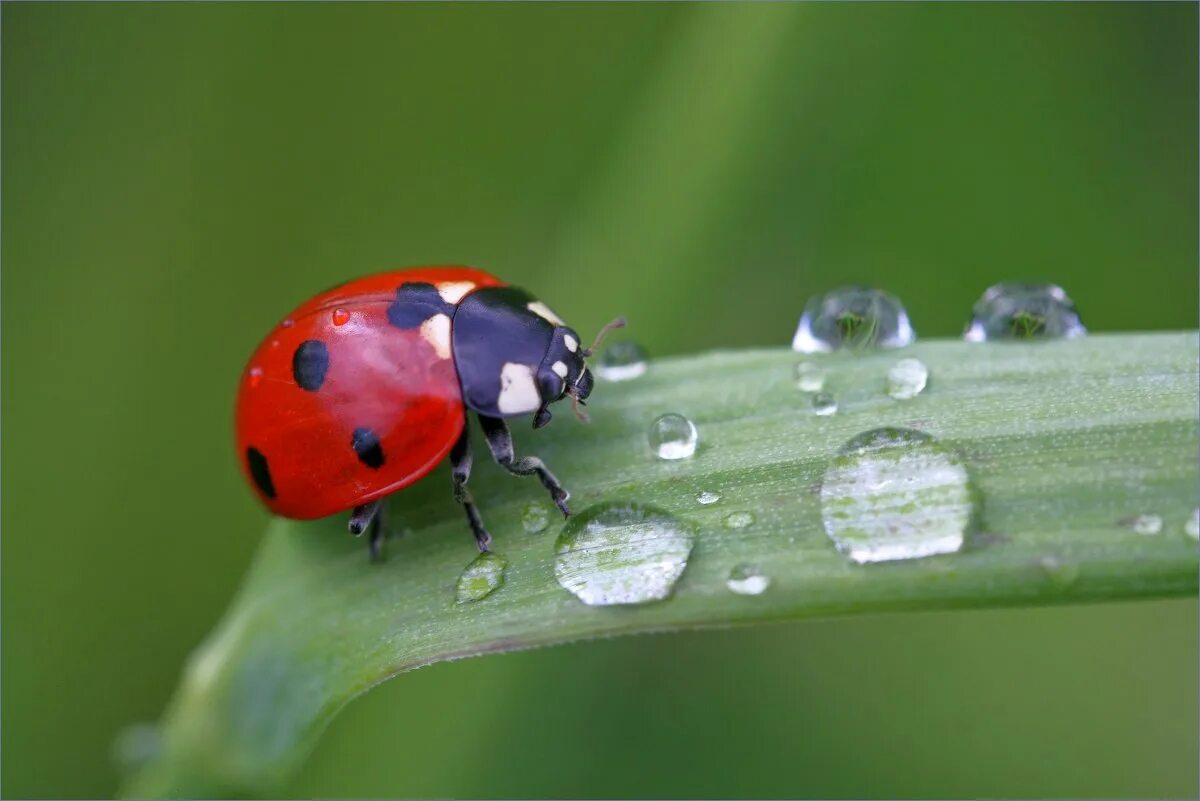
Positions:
{"x": 460, "y": 471}
{"x": 500, "y": 442}
{"x": 371, "y": 516}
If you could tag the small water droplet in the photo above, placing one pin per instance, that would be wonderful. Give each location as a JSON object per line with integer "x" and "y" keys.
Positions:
{"x": 274, "y": 343}
{"x": 705, "y": 498}
{"x": 136, "y": 745}
{"x": 906, "y": 379}
{"x": 896, "y": 493}
{"x": 824, "y": 404}
{"x": 254, "y": 377}
{"x": 1015, "y": 310}
{"x": 853, "y": 317}
{"x": 288, "y": 323}
{"x": 673, "y": 436}
{"x": 1061, "y": 572}
{"x": 1146, "y": 525}
{"x": 747, "y": 580}
{"x": 340, "y": 316}
{"x": 621, "y": 361}
{"x": 535, "y": 518}
{"x": 622, "y": 554}
{"x": 481, "y": 578}
{"x": 810, "y": 377}
{"x": 1192, "y": 526}
{"x": 739, "y": 520}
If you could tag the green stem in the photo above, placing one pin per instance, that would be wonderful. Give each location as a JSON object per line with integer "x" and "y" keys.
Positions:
{"x": 1065, "y": 443}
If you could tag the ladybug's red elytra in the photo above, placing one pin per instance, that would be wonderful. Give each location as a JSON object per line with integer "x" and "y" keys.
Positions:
{"x": 366, "y": 387}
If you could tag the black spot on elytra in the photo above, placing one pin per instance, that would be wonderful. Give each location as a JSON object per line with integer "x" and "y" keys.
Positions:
{"x": 260, "y": 471}
{"x": 415, "y": 303}
{"x": 310, "y": 363}
{"x": 366, "y": 444}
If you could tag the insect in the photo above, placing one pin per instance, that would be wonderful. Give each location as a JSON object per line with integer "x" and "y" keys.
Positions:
{"x": 366, "y": 388}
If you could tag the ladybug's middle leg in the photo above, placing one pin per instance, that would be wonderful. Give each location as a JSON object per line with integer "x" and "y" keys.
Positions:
{"x": 499, "y": 440}
{"x": 460, "y": 471}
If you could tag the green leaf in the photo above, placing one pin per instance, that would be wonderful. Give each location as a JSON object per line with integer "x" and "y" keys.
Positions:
{"x": 1072, "y": 448}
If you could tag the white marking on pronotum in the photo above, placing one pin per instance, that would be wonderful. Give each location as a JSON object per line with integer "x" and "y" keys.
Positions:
{"x": 453, "y": 291}
{"x": 543, "y": 311}
{"x": 518, "y": 391}
{"x": 571, "y": 343}
{"x": 560, "y": 369}
{"x": 436, "y": 331}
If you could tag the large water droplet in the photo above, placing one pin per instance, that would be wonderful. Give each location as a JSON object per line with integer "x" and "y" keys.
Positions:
{"x": 906, "y": 379}
{"x": 896, "y": 493}
{"x": 824, "y": 404}
{"x": 1014, "y": 310}
{"x": 535, "y": 518}
{"x": 705, "y": 498}
{"x": 747, "y": 580}
{"x": 622, "y": 554}
{"x": 481, "y": 578}
{"x": 1146, "y": 525}
{"x": 810, "y": 377}
{"x": 739, "y": 520}
{"x": 621, "y": 361}
{"x": 1192, "y": 526}
{"x": 853, "y": 317}
{"x": 673, "y": 436}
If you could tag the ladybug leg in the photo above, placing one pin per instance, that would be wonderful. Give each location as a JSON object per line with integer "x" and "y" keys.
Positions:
{"x": 370, "y": 517}
{"x": 499, "y": 440}
{"x": 460, "y": 471}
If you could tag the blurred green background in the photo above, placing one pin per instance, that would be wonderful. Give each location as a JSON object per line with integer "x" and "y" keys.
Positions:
{"x": 176, "y": 177}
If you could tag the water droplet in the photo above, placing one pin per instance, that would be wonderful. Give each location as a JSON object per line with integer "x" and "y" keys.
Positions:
{"x": 535, "y": 518}
{"x": 621, "y": 361}
{"x": 274, "y": 343}
{"x": 136, "y": 745}
{"x": 1146, "y": 525}
{"x": 810, "y": 377}
{"x": 1060, "y": 571}
{"x": 705, "y": 498}
{"x": 254, "y": 377}
{"x": 340, "y": 316}
{"x": 739, "y": 520}
{"x": 481, "y": 578}
{"x": 1014, "y": 310}
{"x": 1192, "y": 526}
{"x": 853, "y": 317}
{"x": 288, "y": 323}
{"x": 622, "y": 554}
{"x": 747, "y": 580}
{"x": 896, "y": 493}
{"x": 906, "y": 379}
{"x": 824, "y": 404}
{"x": 673, "y": 436}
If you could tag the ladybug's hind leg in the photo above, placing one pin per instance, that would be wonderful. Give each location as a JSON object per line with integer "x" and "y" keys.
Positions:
{"x": 460, "y": 471}
{"x": 371, "y": 517}
{"x": 499, "y": 440}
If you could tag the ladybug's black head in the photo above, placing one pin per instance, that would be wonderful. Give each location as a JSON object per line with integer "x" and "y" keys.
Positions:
{"x": 562, "y": 373}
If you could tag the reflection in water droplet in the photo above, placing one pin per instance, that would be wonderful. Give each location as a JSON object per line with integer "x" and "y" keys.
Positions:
{"x": 896, "y": 493}
{"x": 1060, "y": 571}
{"x": 481, "y": 578}
{"x": 906, "y": 379}
{"x": 739, "y": 520}
{"x": 1146, "y": 525}
{"x": 1192, "y": 526}
{"x": 747, "y": 580}
{"x": 621, "y": 361}
{"x": 705, "y": 498}
{"x": 136, "y": 745}
{"x": 810, "y": 377}
{"x": 340, "y": 316}
{"x": 622, "y": 554}
{"x": 853, "y": 317}
{"x": 255, "y": 376}
{"x": 1014, "y": 310}
{"x": 824, "y": 404}
{"x": 535, "y": 518}
{"x": 673, "y": 436}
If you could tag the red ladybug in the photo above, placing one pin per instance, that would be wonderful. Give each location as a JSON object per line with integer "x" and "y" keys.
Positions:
{"x": 365, "y": 388}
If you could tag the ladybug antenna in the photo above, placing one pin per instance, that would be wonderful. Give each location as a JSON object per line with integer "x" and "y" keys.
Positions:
{"x": 579, "y": 413}
{"x": 615, "y": 324}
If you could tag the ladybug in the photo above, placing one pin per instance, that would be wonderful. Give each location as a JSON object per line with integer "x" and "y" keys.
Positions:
{"x": 366, "y": 388}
